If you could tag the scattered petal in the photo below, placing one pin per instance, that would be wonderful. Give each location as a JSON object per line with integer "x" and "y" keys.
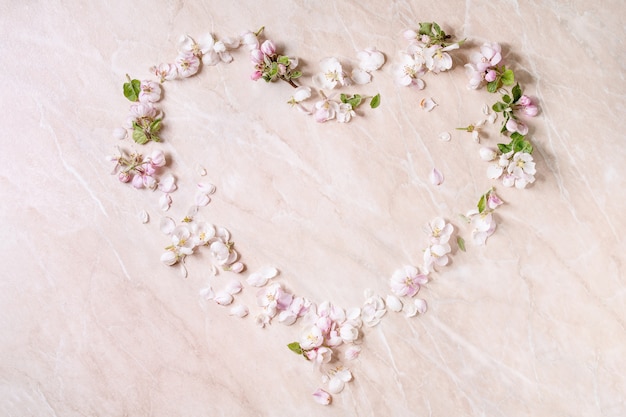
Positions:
{"x": 202, "y": 199}
{"x": 144, "y": 217}
{"x": 352, "y": 353}
{"x": 428, "y": 104}
{"x": 360, "y": 77}
{"x": 393, "y": 303}
{"x": 410, "y": 309}
{"x": 421, "y": 305}
{"x": 120, "y": 133}
{"x": 444, "y": 137}
{"x": 260, "y": 278}
{"x": 165, "y": 202}
{"x": 239, "y": 311}
{"x": 237, "y": 267}
{"x": 202, "y": 172}
{"x": 167, "y": 183}
{"x": 486, "y": 110}
{"x": 322, "y": 397}
{"x": 223, "y": 298}
{"x": 207, "y": 293}
{"x": 233, "y": 287}
{"x": 206, "y": 188}
{"x": 167, "y": 225}
{"x": 436, "y": 177}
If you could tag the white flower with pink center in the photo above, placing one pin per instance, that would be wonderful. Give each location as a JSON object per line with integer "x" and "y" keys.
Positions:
{"x": 406, "y": 281}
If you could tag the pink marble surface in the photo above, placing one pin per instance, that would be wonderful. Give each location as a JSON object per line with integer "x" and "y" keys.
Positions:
{"x": 92, "y": 324}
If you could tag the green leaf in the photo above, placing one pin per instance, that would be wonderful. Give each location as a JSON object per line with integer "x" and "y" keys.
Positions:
{"x": 517, "y": 93}
{"x": 139, "y": 136}
{"x": 508, "y": 78}
{"x": 492, "y": 86}
{"x": 155, "y": 126}
{"x": 283, "y": 60}
{"x": 426, "y": 28}
{"x": 517, "y": 136}
{"x": 504, "y": 148}
{"x": 355, "y": 101}
{"x": 482, "y": 203}
{"x": 461, "y": 242}
{"x": 436, "y": 28}
{"x": 499, "y": 106}
{"x": 343, "y": 98}
{"x": 296, "y": 74}
{"x": 295, "y": 348}
{"x": 375, "y": 101}
{"x": 506, "y": 98}
{"x": 132, "y": 90}
{"x": 528, "y": 147}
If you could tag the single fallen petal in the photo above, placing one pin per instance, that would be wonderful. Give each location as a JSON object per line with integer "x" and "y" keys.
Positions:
{"x": 352, "y": 353}
{"x": 428, "y": 104}
{"x": 322, "y": 397}
{"x": 202, "y": 172}
{"x": 167, "y": 225}
{"x": 206, "y": 188}
{"x": 421, "y": 305}
{"x": 239, "y": 311}
{"x": 165, "y": 202}
{"x": 436, "y": 177}
{"x": 144, "y": 217}
{"x": 445, "y": 136}
{"x": 202, "y": 199}
{"x": 234, "y": 287}
{"x": 120, "y": 133}
{"x": 223, "y": 298}
{"x": 393, "y": 303}
{"x": 360, "y": 77}
{"x": 167, "y": 183}
{"x": 237, "y": 267}
{"x": 207, "y": 293}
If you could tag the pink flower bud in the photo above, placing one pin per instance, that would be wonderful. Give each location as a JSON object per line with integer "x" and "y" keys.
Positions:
{"x": 282, "y": 69}
{"x": 137, "y": 181}
{"x": 490, "y": 76}
{"x": 531, "y": 110}
{"x": 256, "y": 56}
{"x": 256, "y": 75}
{"x": 123, "y": 176}
{"x": 525, "y": 101}
{"x": 268, "y": 48}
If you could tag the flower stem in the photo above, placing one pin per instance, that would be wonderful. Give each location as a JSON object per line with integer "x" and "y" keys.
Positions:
{"x": 291, "y": 83}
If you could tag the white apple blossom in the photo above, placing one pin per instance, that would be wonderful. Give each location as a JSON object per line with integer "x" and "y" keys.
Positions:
{"x": 373, "y": 310}
{"x": 338, "y": 379}
{"x": 332, "y": 74}
{"x": 406, "y": 281}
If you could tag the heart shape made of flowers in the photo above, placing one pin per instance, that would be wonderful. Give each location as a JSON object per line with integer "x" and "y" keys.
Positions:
{"x": 381, "y": 173}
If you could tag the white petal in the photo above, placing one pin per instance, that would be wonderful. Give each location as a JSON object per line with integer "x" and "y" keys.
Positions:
{"x": 360, "y": 77}
{"x": 169, "y": 258}
{"x": 202, "y": 172}
{"x": 144, "y": 217}
{"x": 352, "y": 353}
{"x": 239, "y": 311}
{"x": 335, "y": 385}
{"x": 233, "y": 287}
{"x": 444, "y": 136}
{"x": 436, "y": 177}
{"x": 428, "y": 104}
{"x": 207, "y": 293}
{"x": 237, "y": 267}
{"x": 223, "y": 298}
{"x": 167, "y": 225}
{"x": 487, "y": 154}
{"x": 494, "y": 171}
{"x": 165, "y": 202}
{"x": 410, "y": 309}
{"x": 120, "y": 133}
{"x": 486, "y": 109}
{"x": 167, "y": 183}
{"x": 202, "y": 199}
{"x": 260, "y": 278}
{"x": 322, "y": 397}
{"x": 421, "y": 305}
{"x": 393, "y": 303}
{"x": 206, "y": 188}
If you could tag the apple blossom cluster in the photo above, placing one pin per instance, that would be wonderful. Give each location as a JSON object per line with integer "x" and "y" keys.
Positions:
{"x": 143, "y": 172}
{"x": 145, "y": 118}
{"x": 427, "y": 52}
{"x": 191, "y": 54}
{"x": 191, "y": 235}
{"x": 515, "y": 168}
{"x": 268, "y": 64}
{"x": 481, "y": 219}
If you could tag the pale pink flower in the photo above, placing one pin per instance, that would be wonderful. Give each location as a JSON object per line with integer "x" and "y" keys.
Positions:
{"x": 406, "y": 281}
{"x": 332, "y": 74}
{"x": 326, "y": 110}
{"x": 373, "y": 310}
{"x": 187, "y": 65}
{"x": 489, "y": 56}
{"x": 522, "y": 169}
{"x": 273, "y": 299}
{"x": 440, "y": 231}
{"x": 165, "y": 72}
{"x": 312, "y": 338}
{"x": 150, "y": 92}
{"x": 493, "y": 201}
{"x": 268, "y": 48}
{"x": 513, "y": 125}
{"x": 409, "y": 71}
{"x": 436, "y": 256}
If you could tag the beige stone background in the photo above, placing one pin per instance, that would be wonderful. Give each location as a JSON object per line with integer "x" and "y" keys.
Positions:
{"x": 92, "y": 324}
